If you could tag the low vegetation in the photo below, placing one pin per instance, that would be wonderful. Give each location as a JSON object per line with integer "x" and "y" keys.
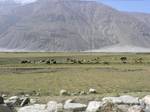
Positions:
{"x": 48, "y": 73}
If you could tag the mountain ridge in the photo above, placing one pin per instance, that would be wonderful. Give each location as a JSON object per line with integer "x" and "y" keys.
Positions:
{"x": 66, "y": 25}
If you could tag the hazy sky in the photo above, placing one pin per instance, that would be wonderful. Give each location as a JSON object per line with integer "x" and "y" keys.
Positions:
{"x": 124, "y": 5}
{"x": 129, "y": 5}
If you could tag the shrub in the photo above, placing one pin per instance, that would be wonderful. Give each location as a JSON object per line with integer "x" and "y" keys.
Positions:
{"x": 124, "y": 60}
{"x": 25, "y": 61}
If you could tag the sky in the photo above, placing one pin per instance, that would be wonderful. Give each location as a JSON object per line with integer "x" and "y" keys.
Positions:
{"x": 123, "y": 5}
{"x": 129, "y": 5}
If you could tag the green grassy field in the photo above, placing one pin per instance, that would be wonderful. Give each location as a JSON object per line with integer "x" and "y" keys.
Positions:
{"x": 103, "y": 71}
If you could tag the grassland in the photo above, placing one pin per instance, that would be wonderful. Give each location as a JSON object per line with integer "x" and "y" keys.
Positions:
{"x": 107, "y": 74}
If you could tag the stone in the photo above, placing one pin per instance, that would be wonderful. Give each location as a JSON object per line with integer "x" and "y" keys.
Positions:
{"x": 1, "y": 100}
{"x": 10, "y": 103}
{"x": 38, "y": 94}
{"x": 53, "y": 106}
{"x": 126, "y": 99}
{"x": 74, "y": 94}
{"x": 14, "y": 98}
{"x": 25, "y": 101}
{"x": 27, "y": 95}
{"x": 135, "y": 108}
{"x": 92, "y": 91}
{"x": 146, "y": 100}
{"x": 34, "y": 108}
{"x": 63, "y": 92}
{"x": 82, "y": 93}
{"x": 4, "y": 95}
{"x": 4, "y": 108}
{"x": 69, "y": 101}
{"x": 115, "y": 100}
{"x": 147, "y": 108}
{"x": 75, "y": 107}
{"x": 33, "y": 101}
{"x": 109, "y": 107}
{"x": 60, "y": 107}
{"x": 123, "y": 108}
{"x": 94, "y": 106}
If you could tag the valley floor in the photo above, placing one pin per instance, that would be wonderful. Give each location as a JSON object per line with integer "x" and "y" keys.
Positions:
{"x": 105, "y": 72}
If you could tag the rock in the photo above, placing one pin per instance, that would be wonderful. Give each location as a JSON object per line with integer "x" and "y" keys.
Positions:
{"x": 147, "y": 108}
{"x": 34, "y": 108}
{"x": 123, "y": 108}
{"x": 92, "y": 91}
{"x": 126, "y": 99}
{"x": 4, "y": 95}
{"x": 38, "y": 94}
{"x": 4, "y": 108}
{"x": 74, "y": 94}
{"x": 53, "y": 106}
{"x": 74, "y": 107}
{"x": 60, "y": 107}
{"x": 115, "y": 100}
{"x": 69, "y": 101}
{"x": 94, "y": 106}
{"x": 109, "y": 107}
{"x": 82, "y": 93}
{"x": 33, "y": 101}
{"x": 1, "y": 100}
{"x": 27, "y": 95}
{"x": 135, "y": 108}
{"x": 14, "y": 98}
{"x": 25, "y": 101}
{"x": 10, "y": 103}
{"x": 146, "y": 100}
{"x": 63, "y": 92}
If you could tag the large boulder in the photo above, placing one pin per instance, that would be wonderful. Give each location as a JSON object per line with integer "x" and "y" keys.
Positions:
{"x": 115, "y": 100}
{"x": 60, "y": 107}
{"x": 34, "y": 108}
{"x": 4, "y": 108}
{"x": 109, "y": 107}
{"x": 123, "y": 108}
{"x": 146, "y": 100}
{"x": 147, "y": 108}
{"x": 53, "y": 106}
{"x": 135, "y": 108}
{"x": 126, "y": 99}
{"x": 94, "y": 106}
{"x": 13, "y": 101}
{"x": 75, "y": 107}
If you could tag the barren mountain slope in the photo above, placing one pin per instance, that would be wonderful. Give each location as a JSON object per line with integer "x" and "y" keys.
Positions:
{"x": 71, "y": 25}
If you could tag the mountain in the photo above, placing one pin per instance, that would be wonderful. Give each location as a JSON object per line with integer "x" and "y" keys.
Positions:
{"x": 70, "y": 25}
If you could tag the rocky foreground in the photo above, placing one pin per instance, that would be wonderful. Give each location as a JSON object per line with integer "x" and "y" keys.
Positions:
{"x": 124, "y": 103}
